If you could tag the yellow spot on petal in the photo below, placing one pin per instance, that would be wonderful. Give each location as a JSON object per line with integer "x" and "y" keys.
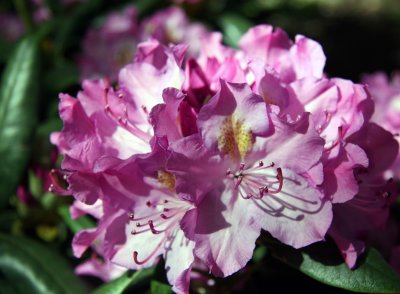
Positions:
{"x": 236, "y": 138}
{"x": 167, "y": 179}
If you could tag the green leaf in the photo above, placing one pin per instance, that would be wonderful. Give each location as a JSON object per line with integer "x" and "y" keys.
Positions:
{"x": 234, "y": 26}
{"x": 259, "y": 254}
{"x": 160, "y": 288}
{"x": 62, "y": 76}
{"x": 75, "y": 226}
{"x": 18, "y": 113}
{"x": 31, "y": 267}
{"x": 129, "y": 279}
{"x": 324, "y": 263}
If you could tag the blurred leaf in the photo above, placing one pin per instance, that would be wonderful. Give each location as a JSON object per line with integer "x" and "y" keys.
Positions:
{"x": 323, "y": 263}
{"x": 5, "y": 49}
{"x": 31, "y": 267}
{"x": 75, "y": 225}
{"x": 7, "y": 219}
{"x": 259, "y": 254}
{"x": 48, "y": 200}
{"x": 129, "y": 279}
{"x": 46, "y": 232}
{"x": 160, "y": 288}
{"x": 35, "y": 184}
{"x": 61, "y": 77}
{"x": 233, "y": 27}
{"x": 159, "y": 283}
{"x": 18, "y": 113}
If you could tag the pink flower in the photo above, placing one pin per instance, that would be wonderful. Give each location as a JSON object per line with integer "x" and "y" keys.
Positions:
{"x": 11, "y": 27}
{"x": 111, "y": 46}
{"x": 142, "y": 217}
{"x": 108, "y": 48}
{"x": 191, "y": 157}
{"x": 303, "y": 58}
{"x": 254, "y": 167}
{"x": 104, "y": 270}
{"x": 386, "y": 95}
{"x": 171, "y": 25}
{"x": 369, "y": 209}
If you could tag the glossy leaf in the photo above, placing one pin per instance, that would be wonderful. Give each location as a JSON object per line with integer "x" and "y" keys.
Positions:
{"x": 31, "y": 267}
{"x": 129, "y": 279}
{"x": 160, "y": 288}
{"x": 323, "y": 263}
{"x": 18, "y": 113}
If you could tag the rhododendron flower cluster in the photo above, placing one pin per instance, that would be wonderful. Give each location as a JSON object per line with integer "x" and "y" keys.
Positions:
{"x": 191, "y": 157}
{"x": 107, "y": 48}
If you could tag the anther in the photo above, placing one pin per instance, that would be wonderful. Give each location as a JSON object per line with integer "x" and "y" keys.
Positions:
{"x": 153, "y": 229}
{"x": 148, "y": 203}
{"x": 260, "y": 163}
{"x": 131, "y": 216}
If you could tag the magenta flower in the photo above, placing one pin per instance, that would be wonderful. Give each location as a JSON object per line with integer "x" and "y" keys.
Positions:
{"x": 108, "y": 48}
{"x": 111, "y": 46}
{"x": 190, "y": 157}
{"x": 369, "y": 209}
{"x": 141, "y": 220}
{"x": 386, "y": 95}
{"x": 266, "y": 45}
{"x": 172, "y": 26}
{"x": 11, "y": 27}
{"x": 254, "y": 167}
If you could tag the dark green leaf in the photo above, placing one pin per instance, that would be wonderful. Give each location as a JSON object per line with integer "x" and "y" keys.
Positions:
{"x": 76, "y": 225}
{"x": 129, "y": 279}
{"x": 234, "y": 26}
{"x": 323, "y": 263}
{"x": 160, "y": 288}
{"x": 33, "y": 268}
{"x": 18, "y": 113}
{"x": 61, "y": 77}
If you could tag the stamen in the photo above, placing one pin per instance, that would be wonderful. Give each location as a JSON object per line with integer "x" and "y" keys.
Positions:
{"x": 135, "y": 253}
{"x": 338, "y": 141}
{"x": 55, "y": 186}
{"x": 123, "y": 120}
{"x": 279, "y": 176}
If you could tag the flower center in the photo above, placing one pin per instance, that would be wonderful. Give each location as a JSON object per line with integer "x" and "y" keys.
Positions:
{"x": 236, "y": 139}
